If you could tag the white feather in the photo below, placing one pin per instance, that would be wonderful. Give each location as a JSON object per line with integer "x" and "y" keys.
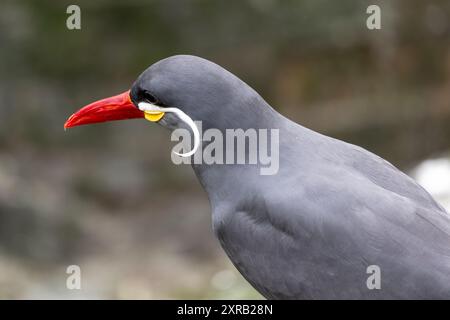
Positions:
{"x": 145, "y": 106}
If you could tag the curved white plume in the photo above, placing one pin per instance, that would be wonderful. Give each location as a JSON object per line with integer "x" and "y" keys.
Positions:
{"x": 145, "y": 106}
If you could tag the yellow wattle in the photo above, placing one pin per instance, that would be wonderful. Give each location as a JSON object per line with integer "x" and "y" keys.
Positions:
{"x": 153, "y": 116}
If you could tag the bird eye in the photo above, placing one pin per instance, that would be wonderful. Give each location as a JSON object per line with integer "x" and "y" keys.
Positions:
{"x": 150, "y": 98}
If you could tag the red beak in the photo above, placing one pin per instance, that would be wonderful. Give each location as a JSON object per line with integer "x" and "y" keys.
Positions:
{"x": 117, "y": 107}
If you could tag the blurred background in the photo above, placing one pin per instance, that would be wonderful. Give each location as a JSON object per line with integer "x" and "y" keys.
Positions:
{"x": 109, "y": 199}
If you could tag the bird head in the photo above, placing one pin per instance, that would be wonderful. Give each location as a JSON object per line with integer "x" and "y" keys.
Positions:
{"x": 175, "y": 92}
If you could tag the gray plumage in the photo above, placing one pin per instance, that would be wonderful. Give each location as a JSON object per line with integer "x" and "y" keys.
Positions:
{"x": 333, "y": 209}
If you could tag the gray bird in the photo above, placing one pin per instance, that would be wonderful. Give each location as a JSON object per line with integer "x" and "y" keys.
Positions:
{"x": 316, "y": 228}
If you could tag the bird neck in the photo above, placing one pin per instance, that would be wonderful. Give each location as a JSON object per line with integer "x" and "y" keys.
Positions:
{"x": 238, "y": 155}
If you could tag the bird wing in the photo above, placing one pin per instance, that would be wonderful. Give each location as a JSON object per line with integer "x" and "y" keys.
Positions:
{"x": 384, "y": 174}
{"x": 327, "y": 222}
{"x": 332, "y": 210}
{"x": 340, "y": 222}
